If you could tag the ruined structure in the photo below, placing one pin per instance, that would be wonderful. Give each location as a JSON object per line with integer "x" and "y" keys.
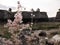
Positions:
{"x": 39, "y": 16}
{"x": 36, "y": 17}
{"x": 58, "y": 16}
{"x": 4, "y": 15}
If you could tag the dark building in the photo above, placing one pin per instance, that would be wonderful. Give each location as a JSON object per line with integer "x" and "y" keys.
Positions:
{"x": 35, "y": 16}
{"x": 4, "y": 15}
{"x": 58, "y": 16}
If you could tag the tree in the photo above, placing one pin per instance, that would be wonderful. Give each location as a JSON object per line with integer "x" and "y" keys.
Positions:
{"x": 38, "y": 10}
{"x": 59, "y": 10}
{"x": 32, "y": 10}
{"x": 10, "y": 10}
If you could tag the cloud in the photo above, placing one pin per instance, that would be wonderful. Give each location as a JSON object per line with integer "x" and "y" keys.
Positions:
{"x": 3, "y": 7}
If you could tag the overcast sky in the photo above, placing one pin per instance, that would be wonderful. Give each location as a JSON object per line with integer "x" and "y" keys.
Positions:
{"x": 49, "y": 6}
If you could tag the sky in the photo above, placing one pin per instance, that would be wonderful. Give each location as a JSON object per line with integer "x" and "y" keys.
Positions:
{"x": 49, "y": 6}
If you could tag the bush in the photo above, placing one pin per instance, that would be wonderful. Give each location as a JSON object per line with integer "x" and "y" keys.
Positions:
{"x": 44, "y": 26}
{"x": 6, "y": 35}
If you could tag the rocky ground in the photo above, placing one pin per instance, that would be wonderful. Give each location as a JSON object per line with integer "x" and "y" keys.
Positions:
{"x": 27, "y": 37}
